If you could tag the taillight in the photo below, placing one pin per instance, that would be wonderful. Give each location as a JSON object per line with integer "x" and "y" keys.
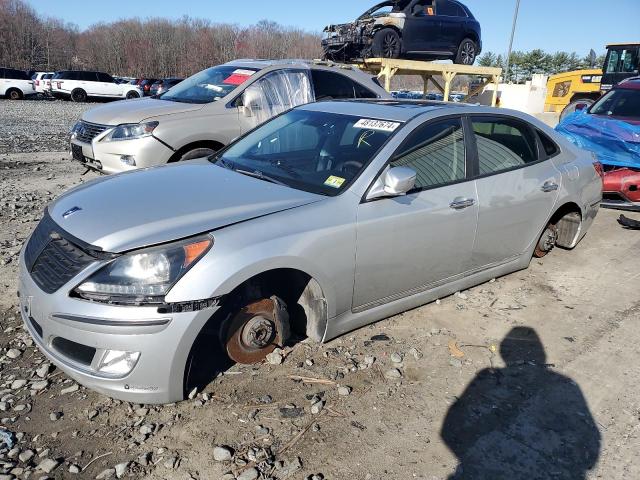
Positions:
{"x": 37, "y": 83}
{"x": 597, "y": 166}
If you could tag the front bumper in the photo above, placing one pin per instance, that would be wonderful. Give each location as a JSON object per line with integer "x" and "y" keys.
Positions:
{"x": 106, "y": 157}
{"x": 74, "y": 335}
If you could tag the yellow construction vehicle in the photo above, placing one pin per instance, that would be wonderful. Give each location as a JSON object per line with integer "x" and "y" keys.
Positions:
{"x": 566, "y": 91}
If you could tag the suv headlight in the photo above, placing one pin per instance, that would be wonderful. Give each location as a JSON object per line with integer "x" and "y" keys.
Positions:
{"x": 130, "y": 131}
{"x": 144, "y": 276}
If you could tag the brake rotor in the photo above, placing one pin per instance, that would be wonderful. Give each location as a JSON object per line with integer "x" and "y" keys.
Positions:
{"x": 547, "y": 241}
{"x": 256, "y": 330}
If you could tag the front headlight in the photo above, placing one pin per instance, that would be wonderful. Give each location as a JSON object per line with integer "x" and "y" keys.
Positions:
{"x": 130, "y": 131}
{"x": 145, "y": 276}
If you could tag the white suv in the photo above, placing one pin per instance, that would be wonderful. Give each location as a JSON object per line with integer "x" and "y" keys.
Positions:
{"x": 15, "y": 84}
{"x": 80, "y": 85}
{"x": 40, "y": 80}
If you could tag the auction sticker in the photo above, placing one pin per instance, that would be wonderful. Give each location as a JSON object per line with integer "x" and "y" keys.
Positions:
{"x": 238, "y": 77}
{"x": 382, "y": 125}
{"x": 335, "y": 182}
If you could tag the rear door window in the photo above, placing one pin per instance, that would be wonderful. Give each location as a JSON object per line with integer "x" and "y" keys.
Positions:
{"x": 88, "y": 76}
{"x": 329, "y": 85}
{"x": 503, "y": 144}
{"x": 103, "y": 77}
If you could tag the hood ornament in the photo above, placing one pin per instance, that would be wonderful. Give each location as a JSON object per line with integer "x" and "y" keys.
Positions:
{"x": 70, "y": 212}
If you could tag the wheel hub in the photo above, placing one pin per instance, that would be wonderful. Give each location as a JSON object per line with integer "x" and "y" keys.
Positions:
{"x": 548, "y": 239}
{"x": 258, "y": 332}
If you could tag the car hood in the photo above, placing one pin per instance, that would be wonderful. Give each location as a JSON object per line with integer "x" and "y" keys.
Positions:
{"x": 134, "y": 111}
{"x": 142, "y": 208}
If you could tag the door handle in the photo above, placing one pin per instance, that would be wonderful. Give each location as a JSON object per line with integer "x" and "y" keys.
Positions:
{"x": 549, "y": 186}
{"x": 461, "y": 203}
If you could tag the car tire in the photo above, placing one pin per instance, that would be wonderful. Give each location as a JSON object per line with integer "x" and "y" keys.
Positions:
{"x": 131, "y": 95}
{"x": 79, "y": 95}
{"x": 196, "y": 153}
{"x": 571, "y": 108}
{"x": 387, "y": 44}
{"x": 467, "y": 52}
{"x": 14, "y": 94}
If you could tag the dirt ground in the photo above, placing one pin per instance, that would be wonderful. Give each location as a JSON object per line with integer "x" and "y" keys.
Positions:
{"x": 543, "y": 386}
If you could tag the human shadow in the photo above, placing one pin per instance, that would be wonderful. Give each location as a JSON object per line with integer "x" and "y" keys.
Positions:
{"x": 523, "y": 421}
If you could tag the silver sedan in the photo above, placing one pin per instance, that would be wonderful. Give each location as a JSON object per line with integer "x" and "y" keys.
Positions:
{"x": 329, "y": 217}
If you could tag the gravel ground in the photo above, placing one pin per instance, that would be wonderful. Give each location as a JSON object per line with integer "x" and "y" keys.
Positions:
{"x": 395, "y": 400}
{"x": 37, "y": 125}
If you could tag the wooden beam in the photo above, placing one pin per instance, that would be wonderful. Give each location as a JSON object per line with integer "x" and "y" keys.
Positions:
{"x": 496, "y": 84}
{"x": 448, "y": 78}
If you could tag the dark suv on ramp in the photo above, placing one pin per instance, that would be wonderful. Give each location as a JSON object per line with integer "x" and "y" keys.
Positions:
{"x": 421, "y": 29}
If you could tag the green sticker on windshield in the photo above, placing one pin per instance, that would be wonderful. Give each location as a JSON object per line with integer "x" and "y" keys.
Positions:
{"x": 334, "y": 182}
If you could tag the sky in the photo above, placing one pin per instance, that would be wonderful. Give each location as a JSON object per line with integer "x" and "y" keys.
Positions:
{"x": 551, "y": 25}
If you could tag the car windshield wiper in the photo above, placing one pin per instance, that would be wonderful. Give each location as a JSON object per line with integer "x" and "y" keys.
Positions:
{"x": 260, "y": 176}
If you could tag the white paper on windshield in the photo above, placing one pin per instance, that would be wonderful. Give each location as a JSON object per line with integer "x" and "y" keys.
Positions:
{"x": 382, "y": 125}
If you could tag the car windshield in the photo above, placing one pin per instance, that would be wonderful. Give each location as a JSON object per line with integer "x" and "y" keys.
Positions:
{"x": 317, "y": 152}
{"x": 618, "y": 103}
{"x": 209, "y": 85}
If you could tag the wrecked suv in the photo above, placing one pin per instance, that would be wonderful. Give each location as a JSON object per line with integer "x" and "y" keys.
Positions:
{"x": 420, "y": 29}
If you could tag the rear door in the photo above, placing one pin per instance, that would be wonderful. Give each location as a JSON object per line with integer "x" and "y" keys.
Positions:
{"x": 107, "y": 85}
{"x": 452, "y": 18}
{"x": 422, "y": 28}
{"x": 517, "y": 188}
{"x": 416, "y": 242}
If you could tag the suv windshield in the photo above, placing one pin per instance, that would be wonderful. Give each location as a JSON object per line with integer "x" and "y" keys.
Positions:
{"x": 618, "y": 103}
{"x": 209, "y": 85}
{"x": 317, "y": 152}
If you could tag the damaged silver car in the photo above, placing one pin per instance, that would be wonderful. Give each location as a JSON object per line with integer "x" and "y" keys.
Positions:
{"x": 326, "y": 218}
{"x": 420, "y": 29}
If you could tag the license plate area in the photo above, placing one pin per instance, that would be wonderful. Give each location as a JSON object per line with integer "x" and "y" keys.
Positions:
{"x": 76, "y": 153}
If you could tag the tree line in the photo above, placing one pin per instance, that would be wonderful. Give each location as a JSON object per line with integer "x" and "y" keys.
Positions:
{"x": 523, "y": 65}
{"x": 153, "y": 47}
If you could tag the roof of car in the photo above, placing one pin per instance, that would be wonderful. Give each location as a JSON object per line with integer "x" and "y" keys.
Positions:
{"x": 261, "y": 64}
{"x": 395, "y": 110}
{"x": 630, "y": 84}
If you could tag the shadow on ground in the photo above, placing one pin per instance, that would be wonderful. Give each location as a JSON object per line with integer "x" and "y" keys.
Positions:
{"x": 523, "y": 421}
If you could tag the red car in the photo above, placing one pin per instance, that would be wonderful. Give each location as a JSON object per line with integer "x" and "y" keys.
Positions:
{"x": 621, "y": 184}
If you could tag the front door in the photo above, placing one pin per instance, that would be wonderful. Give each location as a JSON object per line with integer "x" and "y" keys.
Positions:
{"x": 273, "y": 94}
{"x": 517, "y": 190}
{"x": 415, "y": 242}
{"x": 422, "y": 28}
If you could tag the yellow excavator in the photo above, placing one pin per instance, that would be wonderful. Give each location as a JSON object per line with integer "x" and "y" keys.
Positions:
{"x": 569, "y": 91}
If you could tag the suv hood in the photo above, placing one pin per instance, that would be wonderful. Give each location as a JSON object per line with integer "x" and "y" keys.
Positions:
{"x": 135, "y": 111}
{"x": 158, "y": 205}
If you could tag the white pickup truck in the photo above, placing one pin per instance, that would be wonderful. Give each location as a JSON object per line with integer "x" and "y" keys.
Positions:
{"x": 81, "y": 85}
{"x": 15, "y": 84}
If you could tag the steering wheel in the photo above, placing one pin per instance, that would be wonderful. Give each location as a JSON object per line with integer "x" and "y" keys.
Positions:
{"x": 351, "y": 164}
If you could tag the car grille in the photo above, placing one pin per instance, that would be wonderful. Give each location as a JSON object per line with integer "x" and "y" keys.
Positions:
{"x": 52, "y": 259}
{"x": 86, "y": 132}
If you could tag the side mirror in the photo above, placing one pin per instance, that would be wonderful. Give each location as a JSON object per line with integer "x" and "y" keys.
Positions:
{"x": 581, "y": 106}
{"x": 397, "y": 181}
